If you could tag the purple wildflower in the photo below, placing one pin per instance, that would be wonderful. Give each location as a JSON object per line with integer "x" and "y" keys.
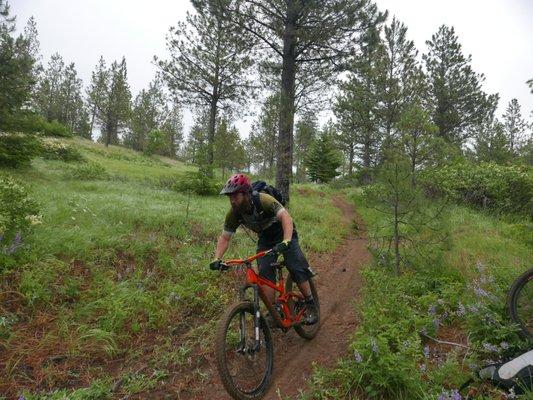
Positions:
{"x": 358, "y": 357}
{"x": 480, "y": 292}
{"x": 426, "y": 351}
{"x": 374, "y": 344}
{"x": 432, "y": 310}
{"x": 17, "y": 242}
{"x": 22, "y": 398}
{"x": 490, "y": 347}
{"x": 450, "y": 395}
{"x": 461, "y": 311}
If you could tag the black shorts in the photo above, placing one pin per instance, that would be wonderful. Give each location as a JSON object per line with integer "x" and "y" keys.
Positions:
{"x": 294, "y": 259}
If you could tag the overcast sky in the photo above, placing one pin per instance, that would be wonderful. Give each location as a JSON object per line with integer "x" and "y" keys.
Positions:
{"x": 497, "y": 33}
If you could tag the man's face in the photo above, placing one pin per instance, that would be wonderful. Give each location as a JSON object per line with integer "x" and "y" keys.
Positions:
{"x": 238, "y": 201}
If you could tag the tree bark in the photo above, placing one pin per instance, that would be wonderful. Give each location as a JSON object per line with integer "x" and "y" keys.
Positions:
{"x": 286, "y": 115}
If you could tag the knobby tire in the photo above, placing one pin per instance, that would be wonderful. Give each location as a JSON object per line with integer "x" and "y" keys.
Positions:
{"x": 222, "y": 351}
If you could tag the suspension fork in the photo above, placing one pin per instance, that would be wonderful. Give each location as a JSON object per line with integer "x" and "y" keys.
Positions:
{"x": 257, "y": 318}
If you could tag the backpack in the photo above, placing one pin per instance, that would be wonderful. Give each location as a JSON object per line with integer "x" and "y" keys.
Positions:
{"x": 263, "y": 187}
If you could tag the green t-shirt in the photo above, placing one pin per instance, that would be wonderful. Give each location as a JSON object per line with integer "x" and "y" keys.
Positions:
{"x": 255, "y": 221}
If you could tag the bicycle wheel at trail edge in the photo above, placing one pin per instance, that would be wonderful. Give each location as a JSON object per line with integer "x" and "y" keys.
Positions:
{"x": 520, "y": 303}
{"x": 305, "y": 331}
{"x": 245, "y": 369}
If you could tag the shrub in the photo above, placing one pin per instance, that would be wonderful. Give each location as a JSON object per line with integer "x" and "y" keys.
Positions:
{"x": 18, "y": 213}
{"x": 28, "y": 122}
{"x": 200, "y": 183}
{"x": 503, "y": 188}
{"x": 54, "y": 150}
{"x": 88, "y": 171}
{"x": 18, "y": 149}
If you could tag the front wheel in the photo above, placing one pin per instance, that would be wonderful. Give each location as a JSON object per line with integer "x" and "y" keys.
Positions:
{"x": 305, "y": 331}
{"x": 520, "y": 303}
{"x": 244, "y": 365}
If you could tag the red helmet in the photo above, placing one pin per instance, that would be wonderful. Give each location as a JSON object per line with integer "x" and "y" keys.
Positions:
{"x": 237, "y": 183}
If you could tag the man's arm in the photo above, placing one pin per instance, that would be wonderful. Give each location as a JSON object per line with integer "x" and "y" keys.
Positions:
{"x": 222, "y": 244}
{"x": 286, "y": 222}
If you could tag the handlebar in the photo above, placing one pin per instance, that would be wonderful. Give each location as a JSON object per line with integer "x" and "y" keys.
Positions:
{"x": 249, "y": 260}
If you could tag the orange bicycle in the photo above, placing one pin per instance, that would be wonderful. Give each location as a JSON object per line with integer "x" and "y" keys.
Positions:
{"x": 244, "y": 348}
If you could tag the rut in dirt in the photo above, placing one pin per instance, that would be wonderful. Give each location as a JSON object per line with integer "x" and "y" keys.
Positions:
{"x": 338, "y": 284}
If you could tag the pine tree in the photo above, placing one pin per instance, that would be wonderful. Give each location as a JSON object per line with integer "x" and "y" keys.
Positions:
{"x": 173, "y": 129}
{"x": 115, "y": 111}
{"x": 403, "y": 80}
{"x": 323, "y": 159}
{"x": 16, "y": 66}
{"x": 305, "y": 134}
{"x": 357, "y": 106}
{"x": 195, "y": 150}
{"x": 149, "y": 112}
{"x": 209, "y": 63}
{"x": 229, "y": 149}
{"x": 515, "y": 126}
{"x": 418, "y": 139}
{"x": 310, "y": 36}
{"x": 492, "y": 144}
{"x": 97, "y": 91}
{"x": 48, "y": 93}
{"x": 263, "y": 137}
{"x": 457, "y": 101}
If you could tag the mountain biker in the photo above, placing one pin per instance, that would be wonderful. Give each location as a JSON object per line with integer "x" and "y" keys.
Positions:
{"x": 275, "y": 230}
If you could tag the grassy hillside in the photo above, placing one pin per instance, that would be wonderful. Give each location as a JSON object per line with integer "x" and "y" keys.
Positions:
{"x": 111, "y": 295}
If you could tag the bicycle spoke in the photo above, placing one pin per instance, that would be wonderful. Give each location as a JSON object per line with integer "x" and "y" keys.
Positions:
{"x": 246, "y": 366}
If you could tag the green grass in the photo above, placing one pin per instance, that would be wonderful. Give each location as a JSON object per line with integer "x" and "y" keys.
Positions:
{"x": 118, "y": 271}
{"x": 443, "y": 299}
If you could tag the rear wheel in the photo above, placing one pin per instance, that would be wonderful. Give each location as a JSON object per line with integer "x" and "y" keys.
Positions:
{"x": 520, "y": 303}
{"x": 244, "y": 369}
{"x": 305, "y": 331}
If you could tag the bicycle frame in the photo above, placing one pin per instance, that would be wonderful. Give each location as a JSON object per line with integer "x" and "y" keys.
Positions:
{"x": 257, "y": 282}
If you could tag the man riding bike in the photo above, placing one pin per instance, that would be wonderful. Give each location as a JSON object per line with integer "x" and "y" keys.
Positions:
{"x": 275, "y": 230}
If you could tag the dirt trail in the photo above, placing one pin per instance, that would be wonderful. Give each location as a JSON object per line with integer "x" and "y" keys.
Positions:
{"x": 338, "y": 283}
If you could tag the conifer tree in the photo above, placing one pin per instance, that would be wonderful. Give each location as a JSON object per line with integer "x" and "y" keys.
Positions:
{"x": 229, "y": 149}
{"x": 16, "y": 66}
{"x": 263, "y": 137}
{"x": 173, "y": 129}
{"x": 323, "y": 158}
{"x": 305, "y": 134}
{"x": 148, "y": 113}
{"x": 97, "y": 90}
{"x": 357, "y": 106}
{"x": 492, "y": 144}
{"x": 458, "y": 103}
{"x": 515, "y": 126}
{"x": 304, "y": 36}
{"x": 209, "y": 63}
{"x": 115, "y": 111}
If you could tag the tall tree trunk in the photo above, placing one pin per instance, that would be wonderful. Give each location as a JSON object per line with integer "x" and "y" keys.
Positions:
{"x": 396, "y": 229}
{"x": 286, "y": 115}
{"x": 211, "y": 128}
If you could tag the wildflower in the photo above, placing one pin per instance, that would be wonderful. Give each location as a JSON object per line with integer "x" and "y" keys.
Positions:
{"x": 374, "y": 344}
{"x": 473, "y": 309}
{"x": 490, "y": 347}
{"x": 422, "y": 367}
{"x": 461, "y": 311}
{"x": 17, "y": 242}
{"x": 432, "y": 310}
{"x": 426, "y": 351}
{"x": 358, "y": 357}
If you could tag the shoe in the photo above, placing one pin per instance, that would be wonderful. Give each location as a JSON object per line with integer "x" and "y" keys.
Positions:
{"x": 311, "y": 313}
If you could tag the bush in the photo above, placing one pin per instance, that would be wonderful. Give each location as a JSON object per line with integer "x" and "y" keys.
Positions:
{"x": 54, "y": 150}
{"x": 507, "y": 189}
{"x": 18, "y": 213}
{"x": 88, "y": 171}
{"x": 28, "y": 122}
{"x": 200, "y": 183}
{"x": 18, "y": 149}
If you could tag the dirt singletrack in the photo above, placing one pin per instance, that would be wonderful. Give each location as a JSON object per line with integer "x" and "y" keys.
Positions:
{"x": 338, "y": 284}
